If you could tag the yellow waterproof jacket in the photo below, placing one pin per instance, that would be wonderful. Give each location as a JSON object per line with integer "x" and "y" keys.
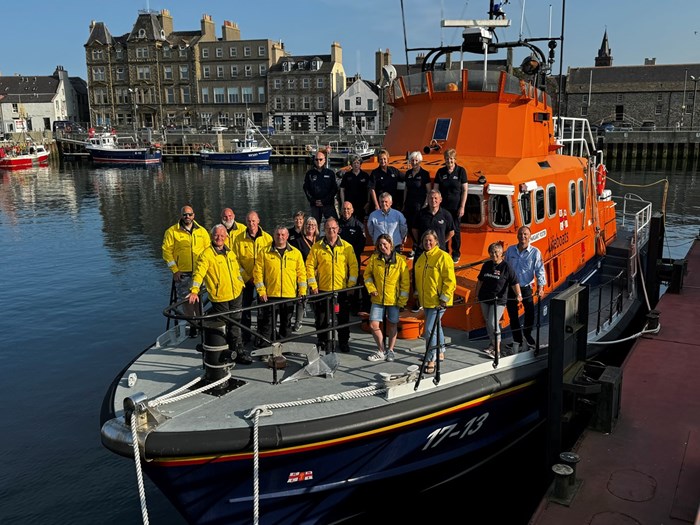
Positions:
{"x": 246, "y": 249}
{"x": 331, "y": 268}
{"x": 435, "y": 278}
{"x": 390, "y": 279}
{"x": 233, "y": 233}
{"x": 181, "y": 248}
{"x": 280, "y": 276}
{"x": 220, "y": 272}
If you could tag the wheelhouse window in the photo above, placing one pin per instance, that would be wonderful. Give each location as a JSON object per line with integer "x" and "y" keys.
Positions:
{"x": 500, "y": 211}
{"x": 551, "y": 200}
{"x": 572, "y": 197}
{"x": 472, "y": 208}
{"x": 581, "y": 196}
{"x": 539, "y": 205}
{"x": 526, "y": 207}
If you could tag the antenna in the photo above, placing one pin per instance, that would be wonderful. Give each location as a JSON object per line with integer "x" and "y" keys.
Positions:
{"x": 405, "y": 42}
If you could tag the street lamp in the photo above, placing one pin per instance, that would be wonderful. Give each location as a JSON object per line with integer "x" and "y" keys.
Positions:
{"x": 685, "y": 83}
{"x": 695, "y": 95}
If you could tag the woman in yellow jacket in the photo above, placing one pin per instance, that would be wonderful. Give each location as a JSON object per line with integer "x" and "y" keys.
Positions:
{"x": 387, "y": 280}
{"x": 435, "y": 287}
{"x": 217, "y": 266}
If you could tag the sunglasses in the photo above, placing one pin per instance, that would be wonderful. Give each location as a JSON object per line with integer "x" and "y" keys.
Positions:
{"x": 188, "y": 214}
{"x": 319, "y": 160}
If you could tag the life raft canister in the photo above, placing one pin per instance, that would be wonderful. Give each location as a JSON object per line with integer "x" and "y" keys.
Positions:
{"x": 600, "y": 176}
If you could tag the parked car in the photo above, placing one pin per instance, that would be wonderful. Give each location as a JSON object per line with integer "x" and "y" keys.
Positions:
{"x": 267, "y": 130}
{"x": 218, "y": 129}
{"x": 623, "y": 126}
{"x": 606, "y": 127}
{"x": 648, "y": 125}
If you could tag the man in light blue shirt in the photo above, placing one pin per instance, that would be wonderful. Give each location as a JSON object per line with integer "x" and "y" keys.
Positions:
{"x": 527, "y": 263}
{"x": 387, "y": 220}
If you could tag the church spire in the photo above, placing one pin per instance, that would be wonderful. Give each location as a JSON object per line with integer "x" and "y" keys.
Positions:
{"x": 604, "y": 57}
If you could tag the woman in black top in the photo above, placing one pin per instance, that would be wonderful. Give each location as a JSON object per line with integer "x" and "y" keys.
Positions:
{"x": 492, "y": 290}
{"x": 451, "y": 181}
{"x": 416, "y": 194}
{"x": 354, "y": 187}
{"x": 303, "y": 243}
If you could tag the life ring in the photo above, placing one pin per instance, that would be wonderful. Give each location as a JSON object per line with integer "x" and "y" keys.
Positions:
{"x": 601, "y": 173}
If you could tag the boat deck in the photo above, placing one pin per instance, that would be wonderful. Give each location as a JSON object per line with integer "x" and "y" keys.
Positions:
{"x": 648, "y": 469}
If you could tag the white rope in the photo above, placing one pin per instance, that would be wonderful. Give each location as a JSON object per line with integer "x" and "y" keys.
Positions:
{"x": 256, "y": 471}
{"x": 633, "y": 336}
{"x": 166, "y": 399}
{"x": 137, "y": 463}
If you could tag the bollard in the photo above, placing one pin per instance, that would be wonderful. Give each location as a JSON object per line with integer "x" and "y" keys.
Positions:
{"x": 570, "y": 459}
{"x": 653, "y": 320}
{"x": 562, "y": 473}
{"x": 214, "y": 346}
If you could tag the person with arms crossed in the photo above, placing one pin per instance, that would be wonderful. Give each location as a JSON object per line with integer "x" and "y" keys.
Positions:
{"x": 320, "y": 188}
{"x": 182, "y": 244}
{"x": 451, "y": 181}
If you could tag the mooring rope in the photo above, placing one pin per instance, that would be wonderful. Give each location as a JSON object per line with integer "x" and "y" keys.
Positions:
{"x": 139, "y": 474}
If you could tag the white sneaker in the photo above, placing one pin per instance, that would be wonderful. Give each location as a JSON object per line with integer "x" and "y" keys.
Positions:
{"x": 377, "y": 356}
{"x": 390, "y": 355}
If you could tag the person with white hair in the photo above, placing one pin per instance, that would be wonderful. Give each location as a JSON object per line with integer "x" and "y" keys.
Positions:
{"x": 418, "y": 184}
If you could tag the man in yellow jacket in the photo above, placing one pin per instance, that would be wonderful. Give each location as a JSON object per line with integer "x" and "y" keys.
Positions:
{"x": 279, "y": 273}
{"x": 228, "y": 219}
{"x": 332, "y": 266}
{"x": 182, "y": 244}
{"x": 218, "y": 267}
{"x": 246, "y": 247}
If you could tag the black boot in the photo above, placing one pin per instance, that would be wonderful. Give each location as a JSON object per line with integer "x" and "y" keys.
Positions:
{"x": 244, "y": 358}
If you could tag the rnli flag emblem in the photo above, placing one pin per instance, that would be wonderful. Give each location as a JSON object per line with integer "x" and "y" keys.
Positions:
{"x": 295, "y": 477}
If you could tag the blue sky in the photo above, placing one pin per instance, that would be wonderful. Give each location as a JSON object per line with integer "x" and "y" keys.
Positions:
{"x": 47, "y": 33}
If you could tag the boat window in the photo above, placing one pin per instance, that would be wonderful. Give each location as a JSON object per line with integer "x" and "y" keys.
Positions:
{"x": 539, "y": 205}
{"x": 526, "y": 208}
{"x": 572, "y": 197}
{"x": 500, "y": 213}
{"x": 472, "y": 209}
{"x": 476, "y": 80}
{"x": 512, "y": 85}
{"x": 551, "y": 200}
{"x": 447, "y": 80}
{"x": 415, "y": 83}
{"x": 442, "y": 128}
{"x": 581, "y": 196}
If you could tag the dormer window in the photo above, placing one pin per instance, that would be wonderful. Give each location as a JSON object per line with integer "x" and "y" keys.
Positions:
{"x": 316, "y": 64}
{"x": 301, "y": 64}
{"x": 142, "y": 33}
{"x": 287, "y": 66}
{"x": 162, "y": 34}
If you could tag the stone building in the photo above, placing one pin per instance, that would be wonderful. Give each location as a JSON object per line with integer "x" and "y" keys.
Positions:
{"x": 155, "y": 77}
{"x": 304, "y": 90}
{"x": 358, "y": 107}
{"x": 664, "y": 94}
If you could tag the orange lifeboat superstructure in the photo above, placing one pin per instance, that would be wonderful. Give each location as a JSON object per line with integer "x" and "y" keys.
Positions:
{"x": 520, "y": 171}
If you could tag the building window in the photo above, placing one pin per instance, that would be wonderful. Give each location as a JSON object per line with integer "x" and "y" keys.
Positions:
{"x": 233, "y": 52}
{"x": 247, "y": 94}
{"x": 619, "y": 97}
{"x": 233, "y": 95}
{"x": 98, "y": 74}
{"x": 206, "y": 72}
{"x": 121, "y": 73}
{"x": 306, "y": 102}
{"x": 347, "y": 104}
{"x": 98, "y": 54}
{"x": 286, "y": 66}
{"x": 205, "y": 52}
{"x": 246, "y": 51}
{"x": 122, "y": 95}
{"x": 168, "y": 72}
{"x": 659, "y": 97}
{"x": 143, "y": 73}
{"x": 100, "y": 96}
{"x": 184, "y": 73}
{"x": 370, "y": 104}
{"x": 185, "y": 94}
{"x": 320, "y": 82}
{"x": 119, "y": 52}
{"x": 262, "y": 70}
{"x": 141, "y": 52}
{"x": 219, "y": 95}
{"x": 262, "y": 51}
{"x": 658, "y": 109}
{"x": 358, "y": 101}
{"x": 277, "y": 83}
{"x": 219, "y": 71}
{"x": 219, "y": 52}
{"x": 248, "y": 70}
{"x": 305, "y": 83}
{"x": 142, "y": 33}
{"x": 584, "y": 111}
{"x": 234, "y": 71}
{"x": 321, "y": 102}
{"x": 291, "y": 83}
{"x": 166, "y": 52}
{"x": 278, "y": 103}
{"x": 261, "y": 94}
{"x": 170, "y": 95}
{"x": 239, "y": 119}
{"x": 291, "y": 103}
{"x": 316, "y": 65}
{"x": 205, "y": 95}
{"x": 585, "y": 99}
{"x": 182, "y": 52}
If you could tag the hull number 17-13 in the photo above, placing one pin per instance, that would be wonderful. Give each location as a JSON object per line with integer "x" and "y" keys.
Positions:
{"x": 455, "y": 431}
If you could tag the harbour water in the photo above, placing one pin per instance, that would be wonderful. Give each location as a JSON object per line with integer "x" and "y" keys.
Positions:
{"x": 85, "y": 291}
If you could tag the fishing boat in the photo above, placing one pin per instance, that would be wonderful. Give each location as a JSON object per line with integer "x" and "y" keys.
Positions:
{"x": 21, "y": 157}
{"x": 340, "y": 152}
{"x": 109, "y": 148}
{"x": 247, "y": 150}
{"x": 302, "y": 435}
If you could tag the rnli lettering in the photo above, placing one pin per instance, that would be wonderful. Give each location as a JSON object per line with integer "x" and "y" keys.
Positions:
{"x": 559, "y": 241}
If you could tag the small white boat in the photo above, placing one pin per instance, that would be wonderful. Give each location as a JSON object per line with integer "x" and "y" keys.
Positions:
{"x": 246, "y": 151}
{"x": 340, "y": 152}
